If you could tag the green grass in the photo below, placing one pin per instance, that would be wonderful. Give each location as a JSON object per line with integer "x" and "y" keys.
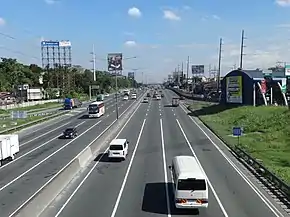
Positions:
{"x": 266, "y": 128}
{"x": 33, "y": 108}
{"x": 9, "y": 123}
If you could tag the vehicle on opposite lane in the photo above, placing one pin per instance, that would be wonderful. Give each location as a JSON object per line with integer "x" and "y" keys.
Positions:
{"x": 58, "y": 155}
{"x": 70, "y": 133}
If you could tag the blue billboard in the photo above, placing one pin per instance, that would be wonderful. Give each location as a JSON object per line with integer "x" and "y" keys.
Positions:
{"x": 49, "y": 44}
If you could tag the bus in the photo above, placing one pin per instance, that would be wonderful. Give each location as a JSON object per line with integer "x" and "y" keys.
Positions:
{"x": 96, "y": 109}
{"x": 189, "y": 183}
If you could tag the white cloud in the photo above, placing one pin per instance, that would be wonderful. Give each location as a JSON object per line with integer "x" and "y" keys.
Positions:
{"x": 170, "y": 15}
{"x": 216, "y": 17}
{"x": 134, "y": 12}
{"x": 51, "y": 2}
{"x": 2, "y": 21}
{"x": 283, "y": 3}
{"x": 129, "y": 33}
{"x": 130, "y": 44}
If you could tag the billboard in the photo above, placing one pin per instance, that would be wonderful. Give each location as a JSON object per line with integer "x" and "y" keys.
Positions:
{"x": 115, "y": 62}
{"x": 234, "y": 89}
{"x": 287, "y": 70}
{"x": 131, "y": 75}
{"x": 50, "y": 44}
{"x": 197, "y": 69}
{"x": 65, "y": 43}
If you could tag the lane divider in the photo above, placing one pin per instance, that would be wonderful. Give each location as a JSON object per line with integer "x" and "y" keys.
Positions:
{"x": 38, "y": 202}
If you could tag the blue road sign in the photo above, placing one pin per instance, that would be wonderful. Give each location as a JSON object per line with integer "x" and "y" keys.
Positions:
{"x": 50, "y": 43}
{"x": 237, "y": 131}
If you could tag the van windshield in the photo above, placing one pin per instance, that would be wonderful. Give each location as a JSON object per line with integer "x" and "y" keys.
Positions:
{"x": 191, "y": 184}
{"x": 116, "y": 147}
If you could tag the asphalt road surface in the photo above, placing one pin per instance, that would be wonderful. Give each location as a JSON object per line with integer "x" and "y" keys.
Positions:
{"x": 42, "y": 153}
{"x": 141, "y": 185}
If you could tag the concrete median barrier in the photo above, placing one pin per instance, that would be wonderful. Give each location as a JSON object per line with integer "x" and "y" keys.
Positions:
{"x": 44, "y": 196}
{"x": 38, "y": 202}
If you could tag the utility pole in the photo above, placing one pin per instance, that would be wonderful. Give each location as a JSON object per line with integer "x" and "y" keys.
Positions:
{"x": 182, "y": 73}
{"x": 178, "y": 75}
{"x": 94, "y": 62}
{"x": 187, "y": 71}
{"x": 242, "y": 49}
{"x": 219, "y": 65}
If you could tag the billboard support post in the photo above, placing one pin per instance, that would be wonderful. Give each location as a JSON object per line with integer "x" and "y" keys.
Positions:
{"x": 55, "y": 55}
{"x": 115, "y": 65}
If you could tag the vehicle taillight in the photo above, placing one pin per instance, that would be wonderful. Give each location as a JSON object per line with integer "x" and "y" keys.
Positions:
{"x": 180, "y": 200}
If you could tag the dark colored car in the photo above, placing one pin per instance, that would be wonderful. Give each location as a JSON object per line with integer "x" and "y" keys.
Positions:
{"x": 162, "y": 94}
{"x": 148, "y": 95}
{"x": 70, "y": 133}
{"x": 182, "y": 98}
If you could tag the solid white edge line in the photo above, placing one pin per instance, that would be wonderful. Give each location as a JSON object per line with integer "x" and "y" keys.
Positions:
{"x": 265, "y": 200}
{"x": 127, "y": 172}
{"x": 45, "y": 159}
{"x": 38, "y": 147}
{"x": 210, "y": 185}
{"x": 34, "y": 149}
{"x": 95, "y": 165}
{"x": 44, "y": 185}
{"x": 54, "y": 129}
{"x": 165, "y": 170}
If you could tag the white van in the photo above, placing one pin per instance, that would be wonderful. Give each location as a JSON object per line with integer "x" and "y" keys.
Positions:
{"x": 118, "y": 148}
{"x": 190, "y": 183}
{"x": 133, "y": 96}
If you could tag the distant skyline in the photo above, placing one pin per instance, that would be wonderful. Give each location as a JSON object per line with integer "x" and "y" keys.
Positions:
{"x": 160, "y": 33}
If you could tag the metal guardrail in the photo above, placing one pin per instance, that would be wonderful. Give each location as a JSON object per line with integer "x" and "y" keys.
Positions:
{"x": 53, "y": 114}
{"x": 33, "y": 114}
{"x": 263, "y": 172}
{"x": 193, "y": 96}
{"x": 259, "y": 169}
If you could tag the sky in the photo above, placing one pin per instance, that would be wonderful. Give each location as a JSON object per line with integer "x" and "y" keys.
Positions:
{"x": 161, "y": 34}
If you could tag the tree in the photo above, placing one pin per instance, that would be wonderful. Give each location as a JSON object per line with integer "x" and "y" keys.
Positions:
{"x": 68, "y": 81}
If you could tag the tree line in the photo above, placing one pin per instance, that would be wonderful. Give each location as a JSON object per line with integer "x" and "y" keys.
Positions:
{"x": 57, "y": 81}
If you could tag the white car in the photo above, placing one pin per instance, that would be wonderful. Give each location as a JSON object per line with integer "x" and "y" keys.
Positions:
{"x": 126, "y": 97}
{"x": 134, "y": 96}
{"x": 106, "y": 95}
{"x": 118, "y": 149}
{"x": 158, "y": 97}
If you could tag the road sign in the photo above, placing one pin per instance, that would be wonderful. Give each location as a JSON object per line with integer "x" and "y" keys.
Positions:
{"x": 19, "y": 114}
{"x": 197, "y": 69}
{"x": 131, "y": 75}
{"x": 237, "y": 131}
{"x": 115, "y": 62}
{"x": 284, "y": 85}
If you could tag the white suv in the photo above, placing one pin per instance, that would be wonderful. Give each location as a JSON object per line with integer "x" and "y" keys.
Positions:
{"x": 118, "y": 149}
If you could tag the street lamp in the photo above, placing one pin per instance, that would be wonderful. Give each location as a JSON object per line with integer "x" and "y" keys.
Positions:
{"x": 116, "y": 83}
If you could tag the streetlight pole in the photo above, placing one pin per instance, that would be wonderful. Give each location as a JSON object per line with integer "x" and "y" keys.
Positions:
{"x": 116, "y": 83}
{"x": 94, "y": 62}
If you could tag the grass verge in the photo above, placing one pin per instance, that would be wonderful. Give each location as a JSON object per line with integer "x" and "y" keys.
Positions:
{"x": 266, "y": 132}
{"x": 24, "y": 123}
{"x": 33, "y": 108}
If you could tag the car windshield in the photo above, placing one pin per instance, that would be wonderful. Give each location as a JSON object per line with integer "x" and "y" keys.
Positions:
{"x": 93, "y": 107}
{"x": 116, "y": 147}
{"x": 69, "y": 130}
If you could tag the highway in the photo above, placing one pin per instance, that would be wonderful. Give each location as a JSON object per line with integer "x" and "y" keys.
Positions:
{"x": 42, "y": 153}
{"x": 142, "y": 186}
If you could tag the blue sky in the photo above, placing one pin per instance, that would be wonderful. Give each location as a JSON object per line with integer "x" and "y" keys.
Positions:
{"x": 160, "y": 33}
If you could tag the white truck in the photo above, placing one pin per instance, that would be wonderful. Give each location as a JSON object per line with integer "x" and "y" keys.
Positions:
{"x": 9, "y": 146}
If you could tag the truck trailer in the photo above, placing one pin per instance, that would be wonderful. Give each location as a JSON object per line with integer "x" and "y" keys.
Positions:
{"x": 71, "y": 103}
{"x": 9, "y": 146}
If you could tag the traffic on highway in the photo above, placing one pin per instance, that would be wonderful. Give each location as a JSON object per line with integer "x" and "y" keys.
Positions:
{"x": 161, "y": 162}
